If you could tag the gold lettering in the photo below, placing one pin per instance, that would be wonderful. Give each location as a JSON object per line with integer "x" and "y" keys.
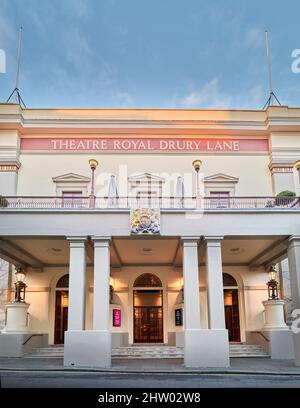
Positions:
{"x": 227, "y": 145}
{"x": 236, "y": 145}
{"x": 54, "y": 144}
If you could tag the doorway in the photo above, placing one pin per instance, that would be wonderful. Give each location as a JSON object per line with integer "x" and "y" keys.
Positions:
{"x": 231, "y": 306}
{"x": 61, "y": 316}
{"x": 61, "y": 309}
{"x": 148, "y": 316}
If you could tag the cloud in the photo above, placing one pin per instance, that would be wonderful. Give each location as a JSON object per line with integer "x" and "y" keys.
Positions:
{"x": 8, "y": 32}
{"x": 254, "y": 37}
{"x": 123, "y": 99}
{"x": 209, "y": 96}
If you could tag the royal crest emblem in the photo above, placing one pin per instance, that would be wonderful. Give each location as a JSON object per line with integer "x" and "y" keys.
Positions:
{"x": 145, "y": 221}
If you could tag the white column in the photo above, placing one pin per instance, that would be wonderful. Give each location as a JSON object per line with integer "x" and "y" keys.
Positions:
{"x": 191, "y": 284}
{"x": 294, "y": 267}
{"x": 75, "y": 345}
{"x": 101, "y": 283}
{"x": 192, "y": 328}
{"x": 91, "y": 348}
{"x": 214, "y": 283}
{"x": 77, "y": 266}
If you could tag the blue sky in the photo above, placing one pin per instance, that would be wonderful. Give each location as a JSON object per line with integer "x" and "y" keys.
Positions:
{"x": 156, "y": 54}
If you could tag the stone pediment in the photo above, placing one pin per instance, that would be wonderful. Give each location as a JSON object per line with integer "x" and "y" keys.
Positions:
{"x": 71, "y": 178}
{"x": 143, "y": 177}
{"x": 221, "y": 178}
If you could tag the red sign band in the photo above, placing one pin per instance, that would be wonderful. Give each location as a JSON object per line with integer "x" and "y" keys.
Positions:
{"x": 154, "y": 145}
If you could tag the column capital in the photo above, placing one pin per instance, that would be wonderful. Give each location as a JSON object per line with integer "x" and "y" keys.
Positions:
{"x": 100, "y": 241}
{"x": 77, "y": 241}
{"x": 190, "y": 241}
{"x": 213, "y": 240}
{"x": 294, "y": 239}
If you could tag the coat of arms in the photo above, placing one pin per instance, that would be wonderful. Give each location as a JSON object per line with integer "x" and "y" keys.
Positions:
{"x": 145, "y": 221}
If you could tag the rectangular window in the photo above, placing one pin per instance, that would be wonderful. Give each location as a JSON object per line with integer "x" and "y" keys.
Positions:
{"x": 219, "y": 199}
{"x": 71, "y": 199}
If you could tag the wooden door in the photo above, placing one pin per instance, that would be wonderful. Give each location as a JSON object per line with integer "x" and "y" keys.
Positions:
{"x": 148, "y": 324}
{"x": 232, "y": 316}
{"x": 61, "y": 317}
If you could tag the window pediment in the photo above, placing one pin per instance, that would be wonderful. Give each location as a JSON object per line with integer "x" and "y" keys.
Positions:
{"x": 221, "y": 178}
{"x": 145, "y": 177}
{"x": 71, "y": 178}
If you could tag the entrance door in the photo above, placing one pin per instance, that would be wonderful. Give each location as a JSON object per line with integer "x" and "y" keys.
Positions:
{"x": 148, "y": 324}
{"x": 232, "y": 318}
{"x": 61, "y": 316}
{"x": 148, "y": 316}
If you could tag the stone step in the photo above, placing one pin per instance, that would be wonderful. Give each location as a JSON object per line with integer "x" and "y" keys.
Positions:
{"x": 146, "y": 352}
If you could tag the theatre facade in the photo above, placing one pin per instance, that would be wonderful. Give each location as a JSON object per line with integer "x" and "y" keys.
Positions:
{"x": 151, "y": 232}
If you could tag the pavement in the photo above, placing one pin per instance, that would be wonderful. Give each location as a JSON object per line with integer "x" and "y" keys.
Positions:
{"x": 148, "y": 373}
{"x": 255, "y": 366}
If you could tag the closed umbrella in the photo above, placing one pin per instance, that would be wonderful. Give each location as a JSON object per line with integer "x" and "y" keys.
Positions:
{"x": 112, "y": 192}
{"x": 179, "y": 192}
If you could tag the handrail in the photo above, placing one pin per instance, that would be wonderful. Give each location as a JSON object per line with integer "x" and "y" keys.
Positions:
{"x": 32, "y": 335}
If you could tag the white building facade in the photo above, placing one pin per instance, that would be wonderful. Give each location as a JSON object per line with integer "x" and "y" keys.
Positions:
{"x": 144, "y": 250}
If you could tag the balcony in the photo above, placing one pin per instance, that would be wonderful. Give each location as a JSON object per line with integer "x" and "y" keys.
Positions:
{"x": 164, "y": 203}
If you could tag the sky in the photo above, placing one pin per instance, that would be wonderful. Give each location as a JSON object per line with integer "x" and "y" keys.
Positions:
{"x": 185, "y": 54}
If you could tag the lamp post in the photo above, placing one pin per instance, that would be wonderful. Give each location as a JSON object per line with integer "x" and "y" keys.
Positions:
{"x": 272, "y": 284}
{"x": 20, "y": 285}
{"x": 197, "y": 165}
{"x": 93, "y": 165}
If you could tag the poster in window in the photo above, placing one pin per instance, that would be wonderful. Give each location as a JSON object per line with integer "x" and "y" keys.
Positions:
{"x": 116, "y": 318}
{"x": 178, "y": 317}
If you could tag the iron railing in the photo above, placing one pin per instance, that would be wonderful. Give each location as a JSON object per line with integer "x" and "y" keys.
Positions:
{"x": 188, "y": 203}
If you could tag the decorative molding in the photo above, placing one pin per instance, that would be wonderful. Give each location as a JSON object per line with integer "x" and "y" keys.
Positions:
{"x": 221, "y": 178}
{"x": 10, "y": 166}
{"x": 280, "y": 168}
{"x": 145, "y": 178}
{"x": 71, "y": 178}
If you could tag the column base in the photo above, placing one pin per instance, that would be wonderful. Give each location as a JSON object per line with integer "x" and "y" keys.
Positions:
{"x": 90, "y": 348}
{"x": 274, "y": 315}
{"x": 296, "y": 339}
{"x": 16, "y": 318}
{"x": 280, "y": 344}
{"x": 206, "y": 348}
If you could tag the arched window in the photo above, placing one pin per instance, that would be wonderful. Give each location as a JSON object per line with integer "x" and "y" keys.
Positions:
{"x": 63, "y": 282}
{"x": 147, "y": 280}
{"x": 228, "y": 280}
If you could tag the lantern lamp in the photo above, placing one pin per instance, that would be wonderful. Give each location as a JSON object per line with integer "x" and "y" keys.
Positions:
{"x": 20, "y": 285}
{"x": 272, "y": 284}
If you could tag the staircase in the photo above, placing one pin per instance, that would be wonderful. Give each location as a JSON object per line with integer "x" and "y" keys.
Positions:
{"x": 246, "y": 350}
{"x": 47, "y": 352}
{"x": 148, "y": 352}
{"x": 144, "y": 352}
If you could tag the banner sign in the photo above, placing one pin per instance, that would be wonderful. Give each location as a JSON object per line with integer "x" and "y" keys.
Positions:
{"x": 138, "y": 145}
{"x": 116, "y": 318}
{"x": 178, "y": 317}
